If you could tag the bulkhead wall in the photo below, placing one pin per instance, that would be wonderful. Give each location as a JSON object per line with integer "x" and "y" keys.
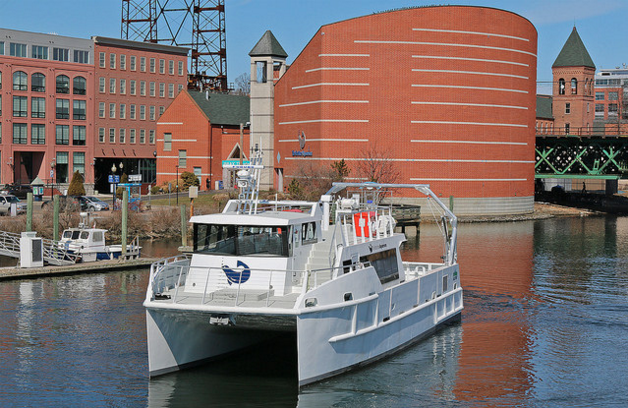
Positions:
{"x": 445, "y": 95}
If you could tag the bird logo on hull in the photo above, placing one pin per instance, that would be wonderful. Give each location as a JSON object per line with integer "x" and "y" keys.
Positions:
{"x": 237, "y": 276}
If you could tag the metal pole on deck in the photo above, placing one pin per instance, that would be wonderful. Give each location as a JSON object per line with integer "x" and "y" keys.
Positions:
{"x": 29, "y": 211}
{"x": 125, "y": 211}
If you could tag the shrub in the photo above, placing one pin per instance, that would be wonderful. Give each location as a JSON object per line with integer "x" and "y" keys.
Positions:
{"x": 76, "y": 185}
{"x": 188, "y": 180}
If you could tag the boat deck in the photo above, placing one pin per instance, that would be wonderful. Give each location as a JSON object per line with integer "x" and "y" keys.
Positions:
{"x": 229, "y": 298}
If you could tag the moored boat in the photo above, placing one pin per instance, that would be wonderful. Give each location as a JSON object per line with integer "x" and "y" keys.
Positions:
{"x": 261, "y": 268}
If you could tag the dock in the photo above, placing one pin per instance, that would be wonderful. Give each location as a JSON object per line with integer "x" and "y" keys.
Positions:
{"x": 79, "y": 268}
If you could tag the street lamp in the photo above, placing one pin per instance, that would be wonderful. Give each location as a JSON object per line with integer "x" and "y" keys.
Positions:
{"x": 113, "y": 200}
{"x": 177, "y": 166}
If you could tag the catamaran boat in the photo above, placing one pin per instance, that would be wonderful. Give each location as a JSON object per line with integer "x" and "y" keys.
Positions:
{"x": 261, "y": 268}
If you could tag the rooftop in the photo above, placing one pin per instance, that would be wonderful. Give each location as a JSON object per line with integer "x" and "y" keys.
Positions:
{"x": 574, "y": 53}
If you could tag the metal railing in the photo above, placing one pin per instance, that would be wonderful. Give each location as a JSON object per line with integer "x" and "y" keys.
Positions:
{"x": 170, "y": 275}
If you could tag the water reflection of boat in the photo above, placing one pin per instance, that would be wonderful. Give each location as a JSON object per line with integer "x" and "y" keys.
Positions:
{"x": 261, "y": 268}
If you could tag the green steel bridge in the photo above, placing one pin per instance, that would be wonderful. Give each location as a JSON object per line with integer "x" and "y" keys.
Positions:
{"x": 583, "y": 155}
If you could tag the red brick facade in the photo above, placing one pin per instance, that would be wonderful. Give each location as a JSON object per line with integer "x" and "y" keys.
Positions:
{"x": 445, "y": 93}
{"x": 574, "y": 105}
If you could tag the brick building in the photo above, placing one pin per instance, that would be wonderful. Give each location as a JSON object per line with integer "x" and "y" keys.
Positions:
{"x": 199, "y": 132}
{"x": 46, "y": 100}
{"x": 135, "y": 83}
{"x": 445, "y": 93}
{"x": 611, "y": 99}
{"x": 573, "y": 72}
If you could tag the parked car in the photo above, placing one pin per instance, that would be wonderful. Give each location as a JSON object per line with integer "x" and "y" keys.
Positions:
{"x": 91, "y": 203}
{"x": 65, "y": 203}
{"x": 18, "y": 190}
{"x": 7, "y": 200}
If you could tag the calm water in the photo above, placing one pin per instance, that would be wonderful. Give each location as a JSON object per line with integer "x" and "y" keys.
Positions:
{"x": 545, "y": 325}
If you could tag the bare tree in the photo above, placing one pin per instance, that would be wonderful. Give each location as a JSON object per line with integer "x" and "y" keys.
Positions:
{"x": 377, "y": 166}
{"x": 243, "y": 84}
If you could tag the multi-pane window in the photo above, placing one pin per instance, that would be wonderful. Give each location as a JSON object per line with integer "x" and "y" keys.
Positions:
{"x": 161, "y": 110}
{"x": 167, "y": 142}
{"x": 20, "y": 81}
{"x": 101, "y": 135}
{"x": 180, "y": 68}
{"x": 179, "y": 88}
{"x": 143, "y": 64}
{"x": 171, "y": 67}
{"x": 101, "y": 85}
{"x": 143, "y": 88}
{"x": 132, "y": 111}
{"x": 122, "y": 135}
{"x": 162, "y": 66}
{"x": 151, "y": 114}
{"x": 599, "y": 96}
{"x": 142, "y": 112}
{"x": 132, "y": 136}
{"x": 122, "y": 61}
{"x": 78, "y": 162}
{"x": 20, "y": 106}
{"x": 612, "y": 109}
{"x": 39, "y": 52}
{"x": 101, "y": 60}
{"x": 183, "y": 158}
{"x": 1, "y": 128}
{"x": 142, "y": 136}
{"x": 78, "y": 135}
{"x": 0, "y": 106}
{"x": 170, "y": 90}
{"x": 152, "y": 65}
{"x": 63, "y": 109}
{"x": 101, "y": 110}
{"x": 112, "y": 61}
{"x": 79, "y": 110}
{"x": 38, "y": 82}
{"x": 0, "y": 79}
{"x": 82, "y": 57}
{"x": 38, "y": 134}
{"x": 63, "y": 84}
{"x": 60, "y": 54}
{"x": 112, "y": 85}
{"x": 612, "y": 96}
{"x": 38, "y": 107}
{"x": 112, "y": 135}
{"x": 162, "y": 90}
{"x": 17, "y": 50}
{"x": 122, "y": 86}
{"x": 132, "y": 87}
{"x": 112, "y": 110}
{"x": 79, "y": 86}
{"x": 132, "y": 62}
{"x": 62, "y": 136}
{"x": 567, "y": 107}
{"x": 152, "y": 89}
{"x": 122, "y": 111}
{"x": 20, "y": 133}
{"x": 151, "y": 136}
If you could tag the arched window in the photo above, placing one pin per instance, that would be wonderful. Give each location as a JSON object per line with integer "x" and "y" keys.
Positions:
{"x": 63, "y": 84}
{"x": 38, "y": 83}
{"x": 79, "y": 86}
{"x": 574, "y": 86}
{"x": 20, "y": 81}
{"x": 561, "y": 86}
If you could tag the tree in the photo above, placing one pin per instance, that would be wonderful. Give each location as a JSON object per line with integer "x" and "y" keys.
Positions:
{"x": 76, "y": 185}
{"x": 377, "y": 166}
{"x": 188, "y": 179}
{"x": 243, "y": 84}
{"x": 340, "y": 170}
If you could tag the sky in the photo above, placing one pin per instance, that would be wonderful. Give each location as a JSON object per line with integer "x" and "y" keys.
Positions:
{"x": 601, "y": 24}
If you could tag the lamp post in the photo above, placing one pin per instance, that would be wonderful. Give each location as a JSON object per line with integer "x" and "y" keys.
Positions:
{"x": 177, "y": 166}
{"x": 53, "y": 163}
{"x": 113, "y": 201}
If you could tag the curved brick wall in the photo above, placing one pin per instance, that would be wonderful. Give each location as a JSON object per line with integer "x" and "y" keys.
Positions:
{"x": 446, "y": 92}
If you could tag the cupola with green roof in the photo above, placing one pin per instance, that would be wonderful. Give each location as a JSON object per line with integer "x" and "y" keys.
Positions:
{"x": 574, "y": 53}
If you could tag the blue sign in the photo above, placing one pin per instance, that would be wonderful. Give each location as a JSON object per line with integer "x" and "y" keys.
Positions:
{"x": 114, "y": 179}
{"x": 235, "y": 276}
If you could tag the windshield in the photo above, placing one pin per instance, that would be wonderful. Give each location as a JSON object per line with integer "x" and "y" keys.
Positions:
{"x": 241, "y": 240}
{"x": 71, "y": 234}
{"x": 94, "y": 199}
{"x": 13, "y": 199}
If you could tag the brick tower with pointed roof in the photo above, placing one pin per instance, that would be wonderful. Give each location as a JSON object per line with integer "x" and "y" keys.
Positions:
{"x": 573, "y": 101}
{"x": 268, "y": 64}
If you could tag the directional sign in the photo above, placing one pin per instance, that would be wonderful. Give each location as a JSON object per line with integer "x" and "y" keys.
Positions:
{"x": 135, "y": 178}
{"x": 114, "y": 179}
